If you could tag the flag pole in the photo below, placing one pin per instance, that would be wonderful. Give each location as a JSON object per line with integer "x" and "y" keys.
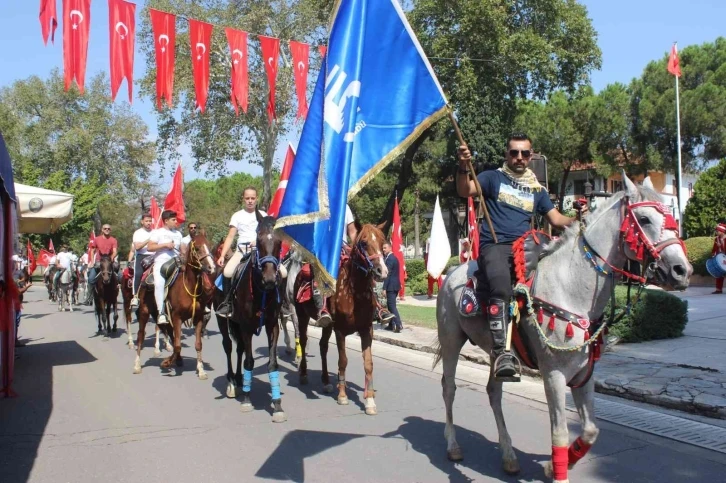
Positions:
{"x": 472, "y": 174}
{"x": 680, "y": 173}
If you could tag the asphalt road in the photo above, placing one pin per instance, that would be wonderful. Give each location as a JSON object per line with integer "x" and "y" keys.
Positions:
{"x": 83, "y": 416}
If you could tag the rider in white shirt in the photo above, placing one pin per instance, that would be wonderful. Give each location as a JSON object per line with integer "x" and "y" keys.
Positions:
{"x": 62, "y": 263}
{"x": 140, "y": 245}
{"x": 166, "y": 244}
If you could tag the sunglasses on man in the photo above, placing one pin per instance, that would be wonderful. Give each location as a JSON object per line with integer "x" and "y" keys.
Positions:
{"x": 514, "y": 153}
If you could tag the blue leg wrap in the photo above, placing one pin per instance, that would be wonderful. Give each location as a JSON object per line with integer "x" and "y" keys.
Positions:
{"x": 275, "y": 385}
{"x": 247, "y": 381}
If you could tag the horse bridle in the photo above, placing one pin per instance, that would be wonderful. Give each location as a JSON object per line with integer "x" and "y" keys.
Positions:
{"x": 193, "y": 251}
{"x": 365, "y": 258}
{"x": 259, "y": 262}
{"x": 110, "y": 273}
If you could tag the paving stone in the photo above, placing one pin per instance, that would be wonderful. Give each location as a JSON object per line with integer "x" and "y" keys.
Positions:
{"x": 709, "y": 402}
{"x": 646, "y": 389}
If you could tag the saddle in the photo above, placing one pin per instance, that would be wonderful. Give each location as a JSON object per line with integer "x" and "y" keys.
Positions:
{"x": 128, "y": 276}
{"x": 170, "y": 271}
{"x": 307, "y": 285}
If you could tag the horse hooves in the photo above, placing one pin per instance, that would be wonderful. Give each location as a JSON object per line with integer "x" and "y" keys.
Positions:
{"x": 137, "y": 369}
{"x": 455, "y": 455}
{"x": 510, "y": 467}
{"x": 371, "y": 411}
{"x": 328, "y": 388}
{"x": 246, "y": 407}
{"x": 165, "y": 364}
{"x": 279, "y": 417}
{"x": 157, "y": 352}
{"x": 203, "y": 376}
{"x": 343, "y": 400}
{"x": 231, "y": 391}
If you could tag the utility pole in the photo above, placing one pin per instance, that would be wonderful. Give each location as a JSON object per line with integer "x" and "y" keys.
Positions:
{"x": 416, "y": 227}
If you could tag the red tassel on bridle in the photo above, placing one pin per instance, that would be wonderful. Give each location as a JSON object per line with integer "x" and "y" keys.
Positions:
{"x": 540, "y": 316}
{"x": 569, "y": 331}
{"x": 551, "y": 325}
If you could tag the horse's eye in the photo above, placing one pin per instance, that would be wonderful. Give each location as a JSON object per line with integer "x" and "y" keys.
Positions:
{"x": 644, "y": 220}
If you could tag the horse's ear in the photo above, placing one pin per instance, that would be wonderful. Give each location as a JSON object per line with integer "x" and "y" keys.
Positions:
{"x": 259, "y": 216}
{"x": 648, "y": 183}
{"x": 631, "y": 190}
{"x": 382, "y": 227}
{"x": 358, "y": 226}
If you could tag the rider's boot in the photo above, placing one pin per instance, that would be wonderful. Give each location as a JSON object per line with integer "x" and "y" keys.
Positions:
{"x": 324, "y": 318}
{"x": 225, "y": 308}
{"x": 505, "y": 363}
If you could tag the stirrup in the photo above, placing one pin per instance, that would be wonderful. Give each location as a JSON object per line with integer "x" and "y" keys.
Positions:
{"x": 385, "y": 315}
{"x": 503, "y": 357}
{"x": 224, "y": 309}
{"x": 325, "y": 318}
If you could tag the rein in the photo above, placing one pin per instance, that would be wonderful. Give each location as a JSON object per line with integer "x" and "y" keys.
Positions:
{"x": 359, "y": 252}
{"x": 256, "y": 275}
{"x": 195, "y": 263}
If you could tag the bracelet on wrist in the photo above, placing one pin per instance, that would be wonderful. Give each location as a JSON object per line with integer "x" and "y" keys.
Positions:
{"x": 462, "y": 171}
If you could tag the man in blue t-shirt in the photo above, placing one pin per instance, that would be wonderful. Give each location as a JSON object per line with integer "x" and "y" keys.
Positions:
{"x": 512, "y": 196}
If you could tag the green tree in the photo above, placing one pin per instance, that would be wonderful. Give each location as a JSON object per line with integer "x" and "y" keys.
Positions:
{"x": 707, "y": 207}
{"x": 218, "y": 135}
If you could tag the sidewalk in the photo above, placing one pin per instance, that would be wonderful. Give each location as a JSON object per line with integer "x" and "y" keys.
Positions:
{"x": 688, "y": 373}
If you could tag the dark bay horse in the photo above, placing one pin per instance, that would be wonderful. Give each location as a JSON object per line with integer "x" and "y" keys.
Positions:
{"x": 187, "y": 296}
{"x": 48, "y": 277}
{"x": 256, "y": 305}
{"x": 127, "y": 293}
{"x": 352, "y": 308}
{"x": 105, "y": 295}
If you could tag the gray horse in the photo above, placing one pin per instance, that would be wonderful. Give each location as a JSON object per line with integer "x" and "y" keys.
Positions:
{"x": 65, "y": 289}
{"x": 568, "y": 279}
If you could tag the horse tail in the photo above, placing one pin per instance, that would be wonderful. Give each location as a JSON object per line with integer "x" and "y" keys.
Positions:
{"x": 436, "y": 346}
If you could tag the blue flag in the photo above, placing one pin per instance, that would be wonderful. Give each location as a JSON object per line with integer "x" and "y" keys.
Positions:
{"x": 375, "y": 94}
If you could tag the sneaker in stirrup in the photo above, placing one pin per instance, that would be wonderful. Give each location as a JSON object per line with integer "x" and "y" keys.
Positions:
{"x": 224, "y": 309}
{"x": 134, "y": 303}
{"x": 162, "y": 320}
{"x": 384, "y": 315}
{"x": 324, "y": 318}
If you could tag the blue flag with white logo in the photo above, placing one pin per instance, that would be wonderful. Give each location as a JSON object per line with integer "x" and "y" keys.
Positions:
{"x": 375, "y": 94}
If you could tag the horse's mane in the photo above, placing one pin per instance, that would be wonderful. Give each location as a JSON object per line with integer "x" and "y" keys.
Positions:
{"x": 645, "y": 194}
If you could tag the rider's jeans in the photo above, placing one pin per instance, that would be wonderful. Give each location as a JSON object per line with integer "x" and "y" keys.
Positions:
{"x": 494, "y": 276}
{"x": 91, "y": 279}
{"x": 160, "y": 260}
{"x": 138, "y": 271}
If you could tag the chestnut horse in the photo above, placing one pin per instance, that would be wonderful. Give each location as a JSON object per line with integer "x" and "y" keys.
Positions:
{"x": 352, "y": 308}
{"x": 256, "y": 304}
{"x": 105, "y": 294}
{"x": 187, "y": 296}
{"x": 127, "y": 283}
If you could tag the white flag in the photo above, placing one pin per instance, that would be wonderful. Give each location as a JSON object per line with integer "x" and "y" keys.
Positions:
{"x": 439, "y": 248}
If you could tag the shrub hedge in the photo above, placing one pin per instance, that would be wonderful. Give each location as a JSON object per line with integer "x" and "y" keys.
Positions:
{"x": 657, "y": 315}
{"x": 699, "y": 251}
{"x": 417, "y": 283}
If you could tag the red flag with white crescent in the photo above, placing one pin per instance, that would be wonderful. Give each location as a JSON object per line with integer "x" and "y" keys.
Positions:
{"x": 270, "y": 52}
{"x": 155, "y": 212}
{"x": 322, "y": 50}
{"x": 51, "y": 248}
{"x": 473, "y": 230}
{"x": 31, "y": 259}
{"x": 122, "y": 31}
{"x": 164, "y": 27}
{"x": 175, "y": 197}
{"x": 300, "y": 62}
{"x": 48, "y": 20}
{"x": 282, "y": 186}
{"x": 397, "y": 241}
{"x": 44, "y": 257}
{"x": 200, "y": 38}
{"x": 76, "y": 25}
{"x": 674, "y": 63}
{"x": 237, "y": 40}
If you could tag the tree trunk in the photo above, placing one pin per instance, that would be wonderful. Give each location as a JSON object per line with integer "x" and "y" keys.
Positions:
{"x": 416, "y": 228}
{"x": 271, "y": 143}
{"x": 563, "y": 188}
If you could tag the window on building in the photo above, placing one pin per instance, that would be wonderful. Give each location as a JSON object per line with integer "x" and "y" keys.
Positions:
{"x": 579, "y": 187}
{"x": 616, "y": 186}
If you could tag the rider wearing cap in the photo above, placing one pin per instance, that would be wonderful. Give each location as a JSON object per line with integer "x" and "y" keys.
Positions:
{"x": 243, "y": 224}
{"x": 512, "y": 195}
{"x": 719, "y": 246}
{"x": 165, "y": 243}
{"x": 141, "y": 252}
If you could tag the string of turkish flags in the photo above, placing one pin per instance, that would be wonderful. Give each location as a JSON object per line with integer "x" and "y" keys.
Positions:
{"x": 122, "y": 35}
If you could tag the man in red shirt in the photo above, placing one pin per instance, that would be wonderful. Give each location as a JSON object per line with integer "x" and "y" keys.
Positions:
{"x": 103, "y": 245}
{"x": 719, "y": 246}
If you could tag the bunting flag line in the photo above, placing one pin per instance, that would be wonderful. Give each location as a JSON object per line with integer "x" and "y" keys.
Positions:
{"x": 358, "y": 122}
{"x": 48, "y": 20}
{"x": 397, "y": 241}
{"x": 163, "y": 26}
{"x": 76, "y": 25}
{"x": 237, "y": 41}
{"x": 175, "y": 197}
{"x": 674, "y": 63}
{"x": 122, "y": 32}
{"x": 200, "y": 38}
{"x": 270, "y": 52}
{"x": 473, "y": 230}
{"x": 301, "y": 63}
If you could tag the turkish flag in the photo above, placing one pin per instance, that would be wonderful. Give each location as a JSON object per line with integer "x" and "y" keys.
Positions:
{"x": 674, "y": 63}
{"x": 48, "y": 20}
{"x": 270, "y": 53}
{"x": 76, "y": 25}
{"x": 473, "y": 230}
{"x": 122, "y": 30}
{"x": 200, "y": 37}
{"x": 300, "y": 62}
{"x": 32, "y": 265}
{"x": 282, "y": 186}
{"x": 164, "y": 27}
{"x": 44, "y": 257}
{"x": 155, "y": 213}
{"x": 397, "y": 241}
{"x": 51, "y": 248}
{"x": 322, "y": 49}
{"x": 175, "y": 197}
{"x": 240, "y": 77}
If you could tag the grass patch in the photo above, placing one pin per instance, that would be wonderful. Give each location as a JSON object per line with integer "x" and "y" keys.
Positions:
{"x": 416, "y": 315}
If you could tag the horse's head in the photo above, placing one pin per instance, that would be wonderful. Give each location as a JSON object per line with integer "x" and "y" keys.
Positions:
{"x": 367, "y": 254}
{"x": 106, "y": 269}
{"x": 650, "y": 235}
{"x": 199, "y": 254}
{"x": 268, "y": 251}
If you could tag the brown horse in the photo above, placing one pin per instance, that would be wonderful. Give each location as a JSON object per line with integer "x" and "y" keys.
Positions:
{"x": 256, "y": 305}
{"x": 105, "y": 295}
{"x": 127, "y": 284}
{"x": 187, "y": 296}
{"x": 352, "y": 308}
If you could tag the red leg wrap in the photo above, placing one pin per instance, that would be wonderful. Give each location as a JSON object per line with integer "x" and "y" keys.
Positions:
{"x": 578, "y": 449}
{"x": 559, "y": 463}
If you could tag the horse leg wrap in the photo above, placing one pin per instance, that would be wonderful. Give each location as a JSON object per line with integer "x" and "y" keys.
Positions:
{"x": 559, "y": 463}
{"x": 247, "y": 381}
{"x": 578, "y": 449}
{"x": 275, "y": 385}
{"x": 298, "y": 347}
{"x": 341, "y": 381}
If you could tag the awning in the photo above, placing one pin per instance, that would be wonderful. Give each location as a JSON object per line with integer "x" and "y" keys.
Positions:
{"x": 41, "y": 210}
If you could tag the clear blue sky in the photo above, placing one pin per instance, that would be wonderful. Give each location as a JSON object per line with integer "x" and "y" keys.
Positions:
{"x": 630, "y": 33}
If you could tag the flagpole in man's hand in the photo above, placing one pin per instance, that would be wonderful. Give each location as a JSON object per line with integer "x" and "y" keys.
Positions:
{"x": 472, "y": 175}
